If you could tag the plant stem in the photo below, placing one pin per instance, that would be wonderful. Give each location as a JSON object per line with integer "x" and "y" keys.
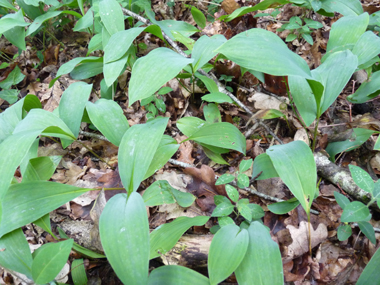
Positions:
{"x": 309, "y": 226}
{"x": 315, "y": 135}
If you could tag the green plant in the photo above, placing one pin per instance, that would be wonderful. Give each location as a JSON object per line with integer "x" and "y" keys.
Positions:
{"x": 298, "y": 30}
{"x": 158, "y": 101}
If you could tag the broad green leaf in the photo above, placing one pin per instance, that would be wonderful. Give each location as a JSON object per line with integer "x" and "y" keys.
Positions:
{"x": 40, "y": 20}
{"x": 187, "y": 42}
{"x": 256, "y": 211}
{"x": 166, "y": 149}
{"x": 232, "y": 193}
{"x": 13, "y": 78}
{"x": 212, "y": 113}
{"x": 136, "y": 151}
{"x": 190, "y": 125}
{"x": 87, "y": 21}
{"x": 294, "y": 162}
{"x": 15, "y": 253}
{"x": 176, "y": 275}
{"x": 160, "y": 65}
{"x": 44, "y": 223}
{"x": 214, "y": 156}
{"x": 344, "y": 232}
{"x": 178, "y": 26}
{"x": 22, "y": 203}
{"x": 6, "y": 4}
{"x": 223, "y": 259}
{"x": 224, "y": 221}
{"x": 32, "y": 11}
{"x": 358, "y": 137}
{"x": 261, "y": 50}
{"x": 272, "y": 114}
{"x": 199, "y": 18}
{"x": 244, "y": 209}
{"x": 16, "y": 36}
{"x": 242, "y": 180}
{"x": 376, "y": 190}
{"x": 217, "y": 97}
{"x": 245, "y": 165}
{"x": 340, "y": 66}
{"x": 87, "y": 69}
{"x": 105, "y": 113}
{"x": 367, "y": 47}
{"x": 112, "y": 16}
{"x": 114, "y": 50}
{"x": 9, "y": 95}
{"x": 72, "y": 104}
{"x": 49, "y": 260}
{"x": 41, "y": 168}
{"x": 346, "y": 32}
{"x": 32, "y": 153}
{"x": 78, "y": 272}
{"x": 368, "y": 231}
{"x": 208, "y": 82}
{"x": 344, "y": 7}
{"x": 223, "y": 135}
{"x": 371, "y": 272}
{"x": 204, "y": 48}
{"x": 262, "y": 261}
{"x": 355, "y": 212}
{"x": 284, "y": 207}
{"x": 263, "y": 164}
{"x": 223, "y": 209}
{"x": 367, "y": 90}
{"x": 362, "y": 178}
{"x": 112, "y": 70}
{"x": 167, "y": 235}
{"x": 342, "y": 200}
{"x": 219, "y": 199}
{"x": 10, "y": 21}
{"x": 377, "y": 144}
{"x": 125, "y": 237}
{"x": 224, "y": 179}
{"x": 94, "y": 44}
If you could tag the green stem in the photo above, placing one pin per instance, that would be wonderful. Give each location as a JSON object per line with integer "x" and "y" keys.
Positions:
{"x": 315, "y": 134}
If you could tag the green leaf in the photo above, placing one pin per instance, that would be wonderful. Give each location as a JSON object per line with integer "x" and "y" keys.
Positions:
{"x": 294, "y": 162}
{"x": 178, "y": 26}
{"x": 160, "y": 65}
{"x": 222, "y": 259}
{"x": 208, "y": 82}
{"x": 355, "y": 212}
{"x": 16, "y": 36}
{"x": 15, "y": 253}
{"x": 291, "y": 37}
{"x": 212, "y": 113}
{"x": 342, "y": 200}
{"x": 105, "y": 113}
{"x": 284, "y": 207}
{"x": 94, "y": 44}
{"x": 242, "y": 180}
{"x": 9, "y": 95}
{"x": 224, "y": 179}
{"x": 78, "y": 272}
{"x": 263, "y": 163}
{"x": 219, "y": 199}
{"x": 125, "y": 237}
{"x": 358, "y": 137}
{"x": 368, "y": 230}
{"x": 344, "y": 7}
{"x": 87, "y": 21}
{"x": 244, "y": 209}
{"x": 199, "y": 18}
{"x": 6, "y": 4}
{"x": 136, "y": 151}
{"x": 262, "y": 262}
{"x": 87, "y": 69}
{"x": 217, "y": 97}
{"x": 371, "y": 272}
{"x": 362, "y": 178}
{"x": 10, "y": 21}
{"x": 49, "y": 260}
{"x": 367, "y": 47}
{"x": 245, "y": 165}
{"x": 13, "y": 78}
{"x": 165, "y": 237}
{"x": 112, "y": 16}
{"x": 175, "y": 275}
{"x": 367, "y": 90}
{"x": 261, "y": 50}
{"x": 313, "y": 24}
{"x": 41, "y": 168}
{"x": 223, "y": 135}
{"x": 307, "y": 37}
{"x": 204, "y": 48}
{"x": 40, "y": 20}
{"x": 257, "y": 211}
{"x": 223, "y": 209}
{"x": 272, "y": 114}
{"x": 44, "y": 223}
{"x": 224, "y": 221}
{"x": 187, "y": 42}
{"x": 376, "y": 190}
{"x": 344, "y": 232}
{"x": 232, "y": 193}
{"x": 190, "y": 125}
{"x": 214, "y": 156}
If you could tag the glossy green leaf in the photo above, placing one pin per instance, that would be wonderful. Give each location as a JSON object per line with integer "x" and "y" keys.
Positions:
{"x": 125, "y": 237}
{"x": 262, "y": 261}
{"x": 362, "y": 178}
{"x": 263, "y": 164}
{"x": 87, "y": 69}
{"x": 367, "y": 90}
{"x": 94, "y": 44}
{"x": 13, "y": 78}
{"x": 242, "y": 180}
{"x": 204, "y": 49}
{"x": 78, "y": 272}
{"x": 217, "y": 97}
{"x": 112, "y": 70}
{"x": 160, "y": 65}
{"x": 342, "y": 200}
{"x": 344, "y": 7}
{"x": 368, "y": 231}
{"x": 358, "y": 137}
{"x": 367, "y": 47}
{"x": 136, "y": 151}
{"x": 223, "y": 135}
{"x": 176, "y": 275}
{"x": 199, "y": 18}
{"x": 294, "y": 162}
{"x": 214, "y": 156}
{"x": 371, "y": 272}
{"x": 16, "y": 36}
{"x": 112, "y": 16}
{"x": 187, "y": 42}
{"x": 223, "y": 209}
{"x": 9, "y": 95}
{"x": 232, "y": 193}
{"x": 105, "y": 113}
{"x": 178, "y": 26}
{"x": 244, "y": 209}
{"x": 22, "y": 202}
{"x": 49, "y": 260}
{"x": 41, "y": 168}
{"x": 222, "y": 259}
{"x": 264, "y": 51}
{"x": 208, "y": 82}
{"x": 40, "y": 20}
{"x": 355, "y": 212}
{"x": 284, "y": 207}
{"x": 10, "y": 21}
{"x": 190, "y": 125}
{"x": 224, "y": 179}
{"x": 212, "y": 113}
{"x": 15, "y": 253}
{"x": 164, "y": 238}
{"x": 344, "y": 232}
{"x": 87, "y": 21}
